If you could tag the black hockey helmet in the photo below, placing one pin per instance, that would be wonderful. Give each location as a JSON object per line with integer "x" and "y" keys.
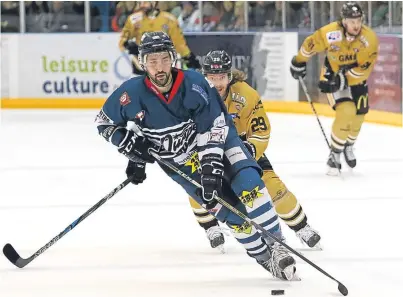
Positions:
{"x": 217, "y": 62}
{"x": 155, "y": 42}
{"x": 351, "y": 10}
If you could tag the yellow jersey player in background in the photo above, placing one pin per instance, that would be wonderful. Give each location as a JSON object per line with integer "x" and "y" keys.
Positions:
{"x": 150, "y": 19}
{"x": 244, "y": 105}
{"x": 351, "y": 50}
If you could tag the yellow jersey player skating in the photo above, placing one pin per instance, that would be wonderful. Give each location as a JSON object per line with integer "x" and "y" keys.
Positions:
{"x": 351, "y": 50}
{"x": 150, "y": 19}
{"x": 245, "y": 107}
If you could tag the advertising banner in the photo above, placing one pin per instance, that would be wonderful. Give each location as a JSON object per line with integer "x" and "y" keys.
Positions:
{"x": 385, "y": 82}
{"x": 70, "y": 66}
{"x": 83, "y": 66}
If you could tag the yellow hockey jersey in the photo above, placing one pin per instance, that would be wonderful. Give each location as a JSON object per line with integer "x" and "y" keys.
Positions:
{"x": 359, "y": 55}
{"x": 246, "y": 109}
{"x": 138, "y": 23}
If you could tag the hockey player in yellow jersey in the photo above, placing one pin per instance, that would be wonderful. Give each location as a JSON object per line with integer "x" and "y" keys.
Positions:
{"x": 147, "y": 19}
{"x": 351, "y": 50}
{"x": 244, "y": 105}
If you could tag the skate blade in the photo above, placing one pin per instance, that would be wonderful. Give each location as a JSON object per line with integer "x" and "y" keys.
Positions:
{"x": 333, "y": 171}
{"x": 290, "y": 274}
{"x": 221, "y": 249}
{"x": 316, "y": 247}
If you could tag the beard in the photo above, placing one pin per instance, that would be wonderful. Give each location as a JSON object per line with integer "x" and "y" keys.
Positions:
{"x": 161, "y": 79}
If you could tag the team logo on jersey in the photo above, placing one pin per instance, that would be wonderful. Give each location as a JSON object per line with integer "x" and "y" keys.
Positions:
{"x": 238, "y": 99}
{"x": 247, "y": 197}
{"x": 334, "y": 48}
{"x": 244, "y": 228}
{"x": 179, "y": 141}
{"x": 334, "y": 36}
{"x": 124, "y": 99}
{"x": 193, "y": 162}
{"x": 346, "y": 58}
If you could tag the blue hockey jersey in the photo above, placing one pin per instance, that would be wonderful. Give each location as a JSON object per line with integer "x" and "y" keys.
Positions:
{"x": 190, "y": 118}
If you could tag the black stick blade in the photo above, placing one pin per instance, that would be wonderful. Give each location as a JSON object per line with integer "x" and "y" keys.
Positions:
{"x": 12, "y": 255}
{"x": 342, "y": 288}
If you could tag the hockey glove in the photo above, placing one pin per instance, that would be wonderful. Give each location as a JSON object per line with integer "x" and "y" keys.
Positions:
{"x": 297, "y": 69}
{"x": 191, "y": 61}
{"x": 251, "y": 148}
{"x": 136, "y": 148}
{"x": 132, "y": 47}
{"x": 212, "y": 171}
{"x": 136, "y": 170}
{"x": 334, "y": 83}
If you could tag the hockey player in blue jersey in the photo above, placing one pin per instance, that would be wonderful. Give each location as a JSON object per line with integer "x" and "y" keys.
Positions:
{"x": 180, "y": 116}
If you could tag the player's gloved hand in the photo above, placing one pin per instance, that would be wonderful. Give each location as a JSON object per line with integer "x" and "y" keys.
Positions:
{"x": 137, "y": 170}
{"x": 212, "y": 171}
{"x": 297, "y": 69}
{"x": 191, "y": 61}
{"x": 251, "y": 148}
{"x": 136, "y": 148}
{"x": 131, "y": 47}
{"x": 333, "y": 83}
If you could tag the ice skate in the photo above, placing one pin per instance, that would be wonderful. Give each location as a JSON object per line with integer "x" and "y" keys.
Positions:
{"x": 349, "y": 156}
{"x": 310, "y": 237}
{"x": 216, "y": 238}
{"x": 279, "y": 263}
{"x": 333, "y": 163}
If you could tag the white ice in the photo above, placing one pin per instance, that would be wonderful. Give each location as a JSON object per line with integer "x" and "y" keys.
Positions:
{"x": 145, "y": 240}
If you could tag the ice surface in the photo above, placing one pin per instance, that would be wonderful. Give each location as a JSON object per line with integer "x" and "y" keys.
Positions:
{"x": 145, "y": 241}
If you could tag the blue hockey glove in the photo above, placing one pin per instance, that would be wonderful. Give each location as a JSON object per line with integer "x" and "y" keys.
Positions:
{"x": 137, "y": 170}
{"x": 212, "y": 171}
{"x": 136, "y": 148}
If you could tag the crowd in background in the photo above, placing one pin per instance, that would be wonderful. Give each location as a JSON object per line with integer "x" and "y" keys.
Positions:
{"x": 107, "y": 16}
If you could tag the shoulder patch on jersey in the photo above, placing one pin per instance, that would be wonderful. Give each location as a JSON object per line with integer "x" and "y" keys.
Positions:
{"x": 136, "y": 17}
{"x": 364, "y": 41}
{"x": 200, "y": 90}
{"x": 124, "y": 99}
{"x": 334, "y": 36}
{"x": 238, "y": 99}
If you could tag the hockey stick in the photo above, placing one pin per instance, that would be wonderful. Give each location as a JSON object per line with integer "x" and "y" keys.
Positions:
{"x": 317, "y": 118}
{"x": 342, "y": 288}
{"x": 12, "y": 255}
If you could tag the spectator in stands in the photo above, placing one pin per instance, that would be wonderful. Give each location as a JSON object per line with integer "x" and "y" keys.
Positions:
{"x": 211, "y": 16}
{"x": 298, "y": 14}
{"x": 123, "y": 10}
{"x": 190, "y": 18}
{"x": 260, "y": 14}
{"x": 10, "y": 21}
{"x": 380, "y": 15}
{"x": 228, "y": 18}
